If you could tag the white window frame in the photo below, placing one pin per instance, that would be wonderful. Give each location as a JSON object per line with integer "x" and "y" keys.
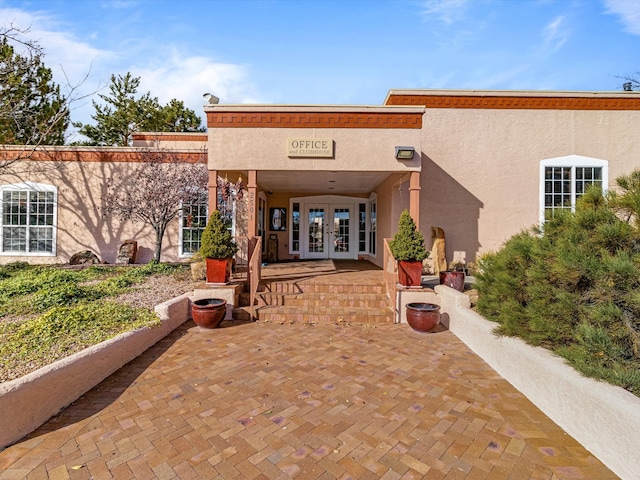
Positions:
{"x": 181, "y": 253}
{"x": 572, "y": 162}
{"x": 372, "y": 231}
{"x": 30, "y": 187}
{"x": 365, "y": 202}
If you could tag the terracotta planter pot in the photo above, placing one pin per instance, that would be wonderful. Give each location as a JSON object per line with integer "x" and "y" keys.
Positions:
{"x": 423, "y": 317}
{"x": 209, "y": 312}
{"x": 454, "y": 280}
{"x": 409, "y": 273}
{"x": 218, "y": 270}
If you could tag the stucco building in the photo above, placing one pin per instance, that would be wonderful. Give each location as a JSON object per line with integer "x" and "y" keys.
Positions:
{"x": 325, "y": 181}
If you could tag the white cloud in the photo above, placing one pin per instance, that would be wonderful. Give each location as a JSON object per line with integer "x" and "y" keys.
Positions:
{"x": 166, "y": 75}
{"x": 446, "y": 10}
{"x": 629, "y": 12}
{"x": 74, "y": 64}
{"x": 555, "y": 34}
{"x": 188, "y": 78}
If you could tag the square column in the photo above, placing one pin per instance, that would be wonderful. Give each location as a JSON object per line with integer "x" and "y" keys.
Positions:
{"x": 213, "y": 191}
{"x": 252, "y": 189}
{"x": 414, "y": 198}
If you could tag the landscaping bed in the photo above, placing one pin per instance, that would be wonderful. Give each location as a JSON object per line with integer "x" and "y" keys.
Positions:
{"x": 49, "y": 313}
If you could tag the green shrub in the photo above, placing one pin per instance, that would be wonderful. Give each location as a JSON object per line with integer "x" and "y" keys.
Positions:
{"x": 572, "y": 287}
{"x": 216, "y": 241}
{"x": 408, "y": 243}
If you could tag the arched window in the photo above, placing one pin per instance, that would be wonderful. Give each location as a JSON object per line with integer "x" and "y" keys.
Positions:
{"x": 28, "y": 219}
{"x": 564, "y": 179}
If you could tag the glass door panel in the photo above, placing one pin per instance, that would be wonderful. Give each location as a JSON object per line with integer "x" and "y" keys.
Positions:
{"x": 316, "y": 241}
{"x": 341, "y": 233}
{"x": 328, "y": 231}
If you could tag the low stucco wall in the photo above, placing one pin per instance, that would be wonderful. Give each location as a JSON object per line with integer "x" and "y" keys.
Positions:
{"x": 605, "y": 419}
{"x": 410, "y": 295}
{"x": 29, "y": 401}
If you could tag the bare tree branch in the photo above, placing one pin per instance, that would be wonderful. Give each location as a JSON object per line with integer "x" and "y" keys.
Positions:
{"x": 33, "y": 111}
{"x": 155, "y": 191}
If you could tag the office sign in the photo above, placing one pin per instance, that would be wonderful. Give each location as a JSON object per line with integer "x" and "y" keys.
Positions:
{"x": 310, "y": 147}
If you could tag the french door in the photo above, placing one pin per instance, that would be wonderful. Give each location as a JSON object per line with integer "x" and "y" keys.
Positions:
{"x": 329, "y": 231}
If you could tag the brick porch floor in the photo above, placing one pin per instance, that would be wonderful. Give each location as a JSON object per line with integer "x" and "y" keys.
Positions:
{"x": 309, "y": 401}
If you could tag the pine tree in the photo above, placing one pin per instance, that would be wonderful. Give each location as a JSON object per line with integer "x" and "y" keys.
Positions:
{"x": 124, "y": 113}
{"x": 32, "y": 109}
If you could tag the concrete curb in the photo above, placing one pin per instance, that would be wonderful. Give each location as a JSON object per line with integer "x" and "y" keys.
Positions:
{"x": 29, "y": 401}
{"x": 605, "y": 419}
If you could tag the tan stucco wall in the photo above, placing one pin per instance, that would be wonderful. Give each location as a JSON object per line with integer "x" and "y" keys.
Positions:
{"x": 81, "y": 224}
{"x": 255, "y": 136}
{"x": 387, "y": 214}
{"x": 266, "y": 149}
{"x": 480, "y": 176}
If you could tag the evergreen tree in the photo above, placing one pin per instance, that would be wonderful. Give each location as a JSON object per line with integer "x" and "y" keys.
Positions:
{"x": 217, "y": 241}
{"x": 408, "y": 242}
{"x": 124, "y": 114}
{"x": 32, "y": 109}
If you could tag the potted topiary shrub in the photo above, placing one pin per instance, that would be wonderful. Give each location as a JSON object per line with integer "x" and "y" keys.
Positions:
{"x": 217, "y": 247}
{"x": 407, "y": 247}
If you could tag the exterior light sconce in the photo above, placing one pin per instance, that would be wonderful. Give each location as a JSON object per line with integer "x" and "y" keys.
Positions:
{"x": 211, "y": 99}
{"x": 404, "y": 153}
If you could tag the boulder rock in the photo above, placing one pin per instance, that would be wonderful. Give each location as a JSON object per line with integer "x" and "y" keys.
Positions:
{"x": 127, "y": 252}
{"x": 438, "y": 250}
{"x": 86, "y": 257}
{"x": 199, "y": 271}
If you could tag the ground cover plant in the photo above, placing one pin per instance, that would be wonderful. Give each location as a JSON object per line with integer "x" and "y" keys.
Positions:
{"x": 47, "y": 313}
{"x": 574, "y": 285}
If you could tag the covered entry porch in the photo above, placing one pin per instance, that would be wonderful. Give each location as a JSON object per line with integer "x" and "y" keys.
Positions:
{"x": 305, "y": 215}
{"x": 321, "y": 181}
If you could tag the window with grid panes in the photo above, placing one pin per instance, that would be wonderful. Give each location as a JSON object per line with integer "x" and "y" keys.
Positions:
{"x": 193, "y": 219}
{"x": 28, "y": 219}
{"x": 565, "y": 179}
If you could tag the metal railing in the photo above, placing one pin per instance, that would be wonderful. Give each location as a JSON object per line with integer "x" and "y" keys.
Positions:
{"x": 242, "y": 257}
{"x": 390, "y": 266}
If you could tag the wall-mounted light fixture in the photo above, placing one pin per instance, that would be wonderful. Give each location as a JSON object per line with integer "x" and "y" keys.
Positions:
{"x": 211, "y": 99}
{"x": 404, "y": 153}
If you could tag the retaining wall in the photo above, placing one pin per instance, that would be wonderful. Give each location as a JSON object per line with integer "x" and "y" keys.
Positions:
{"x": 605, "y": 419}
{"x": 29, "y": 401}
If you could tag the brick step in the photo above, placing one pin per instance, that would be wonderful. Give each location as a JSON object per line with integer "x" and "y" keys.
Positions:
{"x": 288, "y": 314}
{"x": 378, "y": 288}
{"x": 314, "y": 300}
{"x": 288, "y": 287}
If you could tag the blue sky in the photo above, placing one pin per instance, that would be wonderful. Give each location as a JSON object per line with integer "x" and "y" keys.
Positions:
{"x": 331, "y": 51}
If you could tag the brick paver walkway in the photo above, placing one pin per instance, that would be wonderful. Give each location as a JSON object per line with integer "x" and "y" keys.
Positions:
{"x": 265, "y": 401}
